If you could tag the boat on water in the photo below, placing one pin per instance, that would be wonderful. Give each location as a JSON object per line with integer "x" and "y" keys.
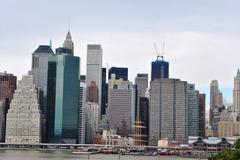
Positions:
{"x": 110, "y": 151}
{"x": 87, "y": 151}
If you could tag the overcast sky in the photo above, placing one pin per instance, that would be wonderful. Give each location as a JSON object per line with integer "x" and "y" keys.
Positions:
{"x": 202, "y": 37}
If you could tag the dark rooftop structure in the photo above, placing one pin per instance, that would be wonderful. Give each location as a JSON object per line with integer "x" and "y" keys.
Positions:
{"x": 62, "y": 50}
{"x": 43, "y": 49}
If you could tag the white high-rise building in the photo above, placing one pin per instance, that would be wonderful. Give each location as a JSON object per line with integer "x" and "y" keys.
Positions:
{"x": 236, "y": 93}
{"x": 92, "y": 120}
{"x": 24, "y": 117}
{"x": 94, "y": 69}
{"x": 81, "y": 112}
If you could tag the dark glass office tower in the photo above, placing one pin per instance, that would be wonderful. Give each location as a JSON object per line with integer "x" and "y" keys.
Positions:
{"x": 104, "y": 92}
{"x": 143, "y": 118}
{"x": 119, "y": 72}
{"x": 63, "y": 93}
{"x": 160, "y": 69}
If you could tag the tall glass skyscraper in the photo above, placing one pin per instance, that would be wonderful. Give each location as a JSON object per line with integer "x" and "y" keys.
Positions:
{"x": 160, "y": 69}
{"x": 63, "y": 93}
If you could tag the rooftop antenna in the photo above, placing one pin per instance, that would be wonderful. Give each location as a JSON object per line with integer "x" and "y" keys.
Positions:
{"x": 158, "y": 53}
{"x": 50, "y": 43}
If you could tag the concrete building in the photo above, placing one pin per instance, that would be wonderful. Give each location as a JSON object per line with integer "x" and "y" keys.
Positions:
{"x": 63, "y": 96}
{"x": 92, "y": 121}
{"x": 92, "y": 92}
{"x": 168, "y": 110}
{"x": 228, "y": 129}
{"x": 121, "y": 105}
{"x": 8, "y": 84}
{"x": 193, "y": 110}
{"x": 24, "y": 116}
{"x": 120, "y": 73}
{"x": 141, "y": 82}
{"x": 202, "y": 115}
{"x": 94, "y": 69}
{"x": 216, "y": 99}
{"x": 68, "y": 43}
{"x": 81, "y": 110}
{"x": 236, "y": 93}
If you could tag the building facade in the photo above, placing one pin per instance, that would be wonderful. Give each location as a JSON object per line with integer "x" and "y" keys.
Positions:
{"x": 92, "y": 121}
{"x": 168, "y": 110}
{"x": 120, "y": 72}
{"x": 202, "y": 114}
{"x": 81, "y": 110}
{"x": 63, "y": 95}
{"x": 104, "y": 92}
{"x": 141, "y": 82}
{"x": 193, "y": 110}
{"x": 24, "y": 117}
{"x": 121, "y": 105}
{"x": 160, "y": 69}
{"x": 216, "y": 99}
{"x": 236, "y": 93}
{"x": 94, "y": 70}
{"x": 8, "y": 84}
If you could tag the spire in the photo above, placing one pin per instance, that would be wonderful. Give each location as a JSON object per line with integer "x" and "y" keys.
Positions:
{"x": 68, "y": 37}
{"x": 238, "y": 73}
{"x": 68, "y": 43}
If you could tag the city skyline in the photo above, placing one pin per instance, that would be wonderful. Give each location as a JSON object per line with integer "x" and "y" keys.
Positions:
{"x": 210, "y": 31}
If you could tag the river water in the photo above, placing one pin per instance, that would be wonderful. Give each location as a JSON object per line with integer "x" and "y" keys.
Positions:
{"x": 59, "y": 155}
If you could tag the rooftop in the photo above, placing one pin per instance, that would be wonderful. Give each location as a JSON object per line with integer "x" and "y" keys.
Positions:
{"x": 43, "y": 49}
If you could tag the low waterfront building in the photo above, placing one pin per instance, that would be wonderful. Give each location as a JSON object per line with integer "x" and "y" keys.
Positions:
{"x": 210, "y": 145}
{"x": 24, "y": 118}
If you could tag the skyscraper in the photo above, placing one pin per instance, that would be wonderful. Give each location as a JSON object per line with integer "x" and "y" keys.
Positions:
{"x": 121, "y": 105}
{"x": 40, "y": 72}
{"x": 193, "y": 110}
{"x": 202, "y": 122}
{"x": 63, "y": 95}
{"x": 141, "y": 82}
{"x": 104, "y": 92}
{"x": 94, "y": 69}
{"x": 68, "y": 43}
{"x": 144, "y": 119}
{"x": 8, "y": 84}
{"x": 120, "y": 72}
{"x": 92, "y": 121}
{"x": 81, "y": 110}
{"x": 3, "y": 112}
{"x": 216, "y": 99}
{"x": 24, "y": 116}
{"x": 160, "y": 69}
{"x": 168, "y": 110}
{"x": 236, "y": 93}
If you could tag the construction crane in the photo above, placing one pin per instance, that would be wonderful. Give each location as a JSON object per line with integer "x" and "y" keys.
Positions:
{"x": 159, "y": 55}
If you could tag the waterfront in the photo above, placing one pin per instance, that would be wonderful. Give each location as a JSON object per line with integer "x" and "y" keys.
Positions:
{"x": 58, "y": 154}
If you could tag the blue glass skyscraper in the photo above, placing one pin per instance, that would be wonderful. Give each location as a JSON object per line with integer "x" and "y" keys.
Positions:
{"x": 160, "y": 69}
{"x": 63, "y": 93}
